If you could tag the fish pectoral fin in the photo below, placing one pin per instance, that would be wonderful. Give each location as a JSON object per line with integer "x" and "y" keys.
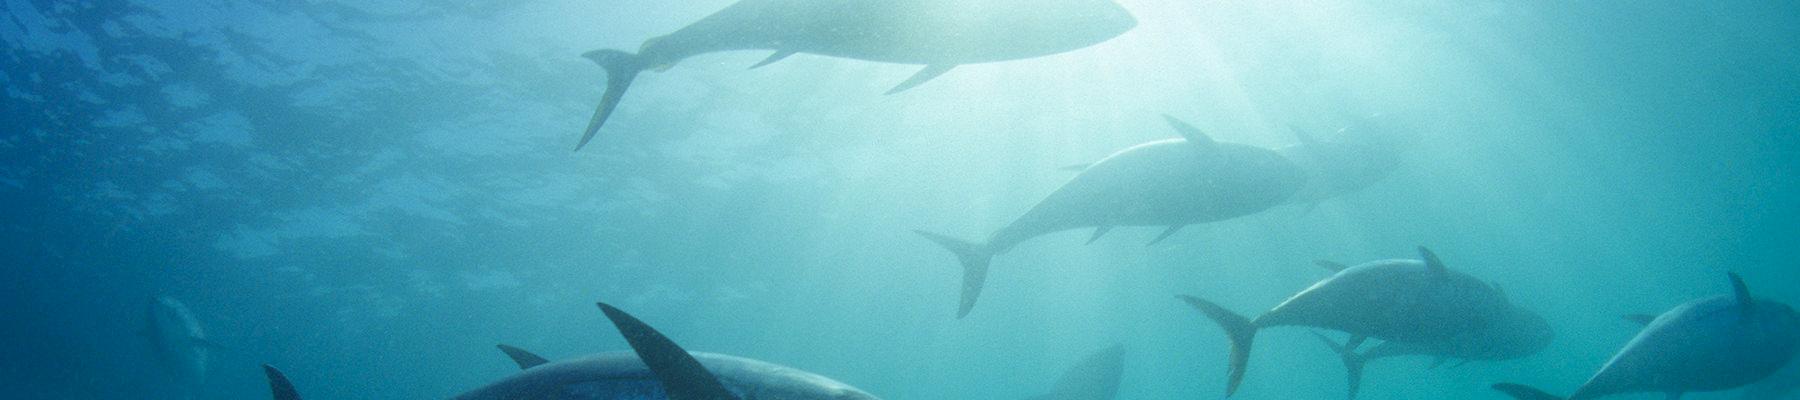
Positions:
{"x": 778, "y": 56}
{"x": 924, "y": 75}
{"x": 1166, "y": 233}
{"x": 1098, "y": 232}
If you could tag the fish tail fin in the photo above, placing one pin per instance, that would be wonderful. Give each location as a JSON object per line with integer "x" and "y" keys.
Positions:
{"x": 1239, "y": 329}
{"x": 1353, "y": 362}
{"x": 279, "y": 387}
{"x": 621, "y": 69}
{"x": 1522, "y": 392}
{"x": 975, "y": 259}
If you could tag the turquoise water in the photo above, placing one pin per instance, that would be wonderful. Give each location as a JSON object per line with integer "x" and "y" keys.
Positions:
{"x": 373, "y": 194}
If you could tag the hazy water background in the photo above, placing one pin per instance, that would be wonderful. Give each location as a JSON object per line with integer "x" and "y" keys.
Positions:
{"x": 372, "y": 194}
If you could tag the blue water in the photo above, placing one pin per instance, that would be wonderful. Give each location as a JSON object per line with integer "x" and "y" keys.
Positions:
{"x": 372, "y": 194}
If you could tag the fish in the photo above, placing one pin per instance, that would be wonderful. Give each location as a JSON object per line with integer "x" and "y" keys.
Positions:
{"x": 659, "y": 369}
{"x": 938, "y": 34}
{"x": 178, "y": 341}
{"x": 1524, "y": 333}
{"x": 1348, "y": 160}
{"x": 1169, "y": 183}
{"x": 1408, "y": 301}
{"x": 1710, "y": 344}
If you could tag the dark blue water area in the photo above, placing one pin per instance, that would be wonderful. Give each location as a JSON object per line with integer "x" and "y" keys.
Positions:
{"x": 371, "y": 195}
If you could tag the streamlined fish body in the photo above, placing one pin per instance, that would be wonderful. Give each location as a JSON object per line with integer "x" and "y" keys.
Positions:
{"x": 1711, "y": 344}
{"x": 1517, "y": 334}
{"x": 1353, "y": 158}
{"x": 659, "y": 369}
{"x": 1168, "y": 183}
{"x": 939, "y": 34}
{"x": 1394, "y": 300}
{"x": 621, "y": 375}
{"x": 1418, "y": 302}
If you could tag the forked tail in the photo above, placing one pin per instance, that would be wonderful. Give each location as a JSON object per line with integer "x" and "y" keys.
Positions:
{"x": 974, "y": 258}
{"x": 621, "y": 69}
{"x": 1241, "y": 332}
{"x": 1353, "y": 362}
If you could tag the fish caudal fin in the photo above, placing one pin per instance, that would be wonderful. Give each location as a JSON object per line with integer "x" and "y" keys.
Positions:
{"x": 1523, "y": 392}
{"x": 279, "y": 386}
{"x": 1353, "y": 362}
{"x": 1241, "y": 332}
{"x": 682, "y": 376}
{"x": 924, "y": 75}
{"x": 974, "y": 258}
{"x": 621, "y": 69}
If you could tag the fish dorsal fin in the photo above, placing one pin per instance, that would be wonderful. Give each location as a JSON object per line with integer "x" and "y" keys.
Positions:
{"x": 525, "y": 359}
{"x": 1745, "y": 302}
{"x": 1306, "y": 137}
{"x": 924, "y": 75}
{"x": 1640, "y": 319}
{"x": 279, "y": 386}
{"x": 1192, "y": 134}
{"x": 1432, "y": 262}
{"x": 779, "y": 54}
{"x": 1333, "y": 266}
{"x": 682, "y": 376}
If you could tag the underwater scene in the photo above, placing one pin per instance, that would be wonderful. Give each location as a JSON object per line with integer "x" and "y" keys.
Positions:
{"x": 899, "y": 199}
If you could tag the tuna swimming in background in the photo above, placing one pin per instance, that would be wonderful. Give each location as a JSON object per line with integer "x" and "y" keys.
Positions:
{"x": 1348, "y": 160}
{"x": 1419, "y": 302}
{"x": 659, "y": 369}
{"x": 1517, "y": 334}
{"x": 1168, "y": 183}
{"x": 178, "y": 341}
{"x": 1716, "y": 343}
{"x": 939, "y": 34}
